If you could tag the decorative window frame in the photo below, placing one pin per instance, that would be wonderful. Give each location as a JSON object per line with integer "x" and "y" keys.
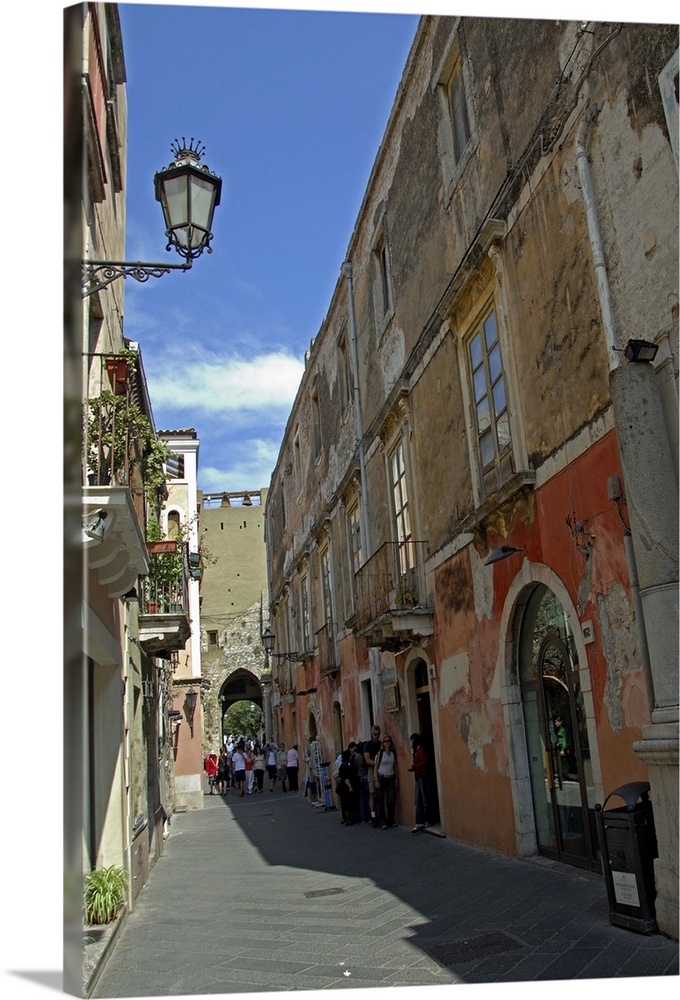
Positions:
{"x": 454, "y": 60}
{"x": 480, "y": 286}
{"x": 668, "y": 85}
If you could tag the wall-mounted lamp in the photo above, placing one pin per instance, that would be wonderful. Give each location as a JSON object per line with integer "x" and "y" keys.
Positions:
{"x": 189, "y": 193}
{"x": 96, "y": 527}
{"x": 640, "y": 350}
{"x": 190, "y": 700}
{"x": 502, "y": 552}
{"x": 268, "y": 640}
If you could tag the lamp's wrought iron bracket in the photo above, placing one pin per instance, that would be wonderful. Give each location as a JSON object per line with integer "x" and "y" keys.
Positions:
{"x": 291, "y": 657}
{"x": 97, "y": 274}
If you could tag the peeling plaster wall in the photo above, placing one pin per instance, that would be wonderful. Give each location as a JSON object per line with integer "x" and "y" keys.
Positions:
{"x": 533, "y": 263}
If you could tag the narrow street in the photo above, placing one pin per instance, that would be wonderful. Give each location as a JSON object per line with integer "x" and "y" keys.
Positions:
{"x": 268, "y": 893}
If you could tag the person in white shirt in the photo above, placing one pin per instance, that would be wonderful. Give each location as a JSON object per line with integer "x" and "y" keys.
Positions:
{"x": 238, "y": 762}
{"x": 293, "y": 768}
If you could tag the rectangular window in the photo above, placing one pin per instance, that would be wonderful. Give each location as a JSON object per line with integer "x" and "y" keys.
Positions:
{"x": 326, "y": 586}
{"x": 297, "y": 463}
{"x": 457, "y": 134}
{"x": 175, "y": 466}
{"x": 400, "y": 508}
{"x": 492, "y": 421}
{"x": 316, "y": 424}
{"x": 381, "y": 266}
{"x": 354, "y": 532}
{"x": 304, "y": 612}
{"x": 460, "y": 124}
{"x": 344, "y": 372}
{"x": 212, "y": 639}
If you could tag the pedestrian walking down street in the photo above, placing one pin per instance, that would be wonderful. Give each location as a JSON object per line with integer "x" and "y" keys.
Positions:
{"x": 270, "y": 760}
{"x": 239, "y": 765}
{"x": 386, "y": 784}
{"x": 223, "y": 772}
{"x": 360, "y": 810}
{"x": 345, "y": 788}
{"x": 282, "y": 766}
{"x": 250, "y": 771}
{"x": 258, "y": 767}
{"x": 371, "y": 750}
{"x": 210, "y": 766}
{"x": 293, "y": 768}
{"x": 419, "y": 769}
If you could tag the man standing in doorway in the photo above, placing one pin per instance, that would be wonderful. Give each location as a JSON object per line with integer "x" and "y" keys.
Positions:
{"x": 371, "y": 750}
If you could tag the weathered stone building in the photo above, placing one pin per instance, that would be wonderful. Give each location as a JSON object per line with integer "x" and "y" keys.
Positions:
{"x": 233, "y": 607}
{"x": 472, "y": 523}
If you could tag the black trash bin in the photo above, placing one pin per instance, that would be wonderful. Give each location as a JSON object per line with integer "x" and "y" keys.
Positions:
{"x": 628, "y": 844}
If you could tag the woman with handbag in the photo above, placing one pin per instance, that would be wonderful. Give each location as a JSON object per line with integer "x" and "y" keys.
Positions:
{"x": 386, "y": 783}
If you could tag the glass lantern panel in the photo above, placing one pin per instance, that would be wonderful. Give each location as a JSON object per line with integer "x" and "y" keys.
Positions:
{"x": 202, "y": 207}
{"x": 175, "y": 201}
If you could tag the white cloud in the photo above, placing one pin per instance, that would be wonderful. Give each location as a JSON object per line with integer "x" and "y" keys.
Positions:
{"x": 250, "y": 468}
{"x": 213, "y": 383}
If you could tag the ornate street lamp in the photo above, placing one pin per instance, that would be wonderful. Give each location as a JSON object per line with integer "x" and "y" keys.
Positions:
{"x": 190, "y": 700}
{"x": 640, "y": 350}
{"x": 189, "y": 193}
{"x": 268, "y": 643}
{"x": 502, "y": 552}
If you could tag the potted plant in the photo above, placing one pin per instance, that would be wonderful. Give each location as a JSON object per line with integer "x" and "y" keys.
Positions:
{"x": 120, "y": 437}
{"x": 104, "y": 894}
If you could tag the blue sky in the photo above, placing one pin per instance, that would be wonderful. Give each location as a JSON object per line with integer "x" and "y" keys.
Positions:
{"x": 291, "y": 107}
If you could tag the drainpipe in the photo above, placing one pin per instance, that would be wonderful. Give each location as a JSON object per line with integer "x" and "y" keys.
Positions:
{"x": 347, "y": 271}
{"x": 583, "y": 167}
{"x": 620, "y": 376}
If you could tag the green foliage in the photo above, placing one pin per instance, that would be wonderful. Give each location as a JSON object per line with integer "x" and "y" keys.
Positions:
{"x": 113, "y": 425}
{"x": 239, "y": 720}
{"x": 104, "y": 894}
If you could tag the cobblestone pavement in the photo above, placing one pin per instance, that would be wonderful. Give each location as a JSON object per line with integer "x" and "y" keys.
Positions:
{"x": 269, "y": 893}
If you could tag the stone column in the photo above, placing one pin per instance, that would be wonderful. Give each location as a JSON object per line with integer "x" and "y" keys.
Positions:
{"x": 651, "y": 492}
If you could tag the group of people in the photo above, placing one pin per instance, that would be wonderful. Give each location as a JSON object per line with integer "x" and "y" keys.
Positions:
{"x": 243, "y": 765}
{"x": 367, "y": 782}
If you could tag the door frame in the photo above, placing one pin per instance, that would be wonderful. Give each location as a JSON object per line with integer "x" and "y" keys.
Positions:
{"x": 507, "y": 669}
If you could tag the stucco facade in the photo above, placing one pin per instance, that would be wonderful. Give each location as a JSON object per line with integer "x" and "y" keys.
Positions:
{"x": 520, "y": 225}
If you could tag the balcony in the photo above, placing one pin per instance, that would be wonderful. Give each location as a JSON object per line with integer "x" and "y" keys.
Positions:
{"x": 164, "y": 619}
{"x": 112, "y": 487}
{"x": 329, "y": 660}
{"x": 390, "y": 597}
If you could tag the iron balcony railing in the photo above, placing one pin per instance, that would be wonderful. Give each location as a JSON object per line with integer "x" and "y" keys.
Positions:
{"x": 166, "y": 588}
{"x": 393, "y": 579}
{"x": 115, "y": 424}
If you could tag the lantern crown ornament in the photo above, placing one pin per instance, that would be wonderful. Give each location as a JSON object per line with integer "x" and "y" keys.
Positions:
{"x": 188, "y": 192}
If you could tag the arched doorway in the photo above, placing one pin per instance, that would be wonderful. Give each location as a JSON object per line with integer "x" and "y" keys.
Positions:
{"x": 338, "y": 739}
{"x": 242, "y": 686}
{"x": 560, "y": 766}
{"x": 419, "y": 689}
